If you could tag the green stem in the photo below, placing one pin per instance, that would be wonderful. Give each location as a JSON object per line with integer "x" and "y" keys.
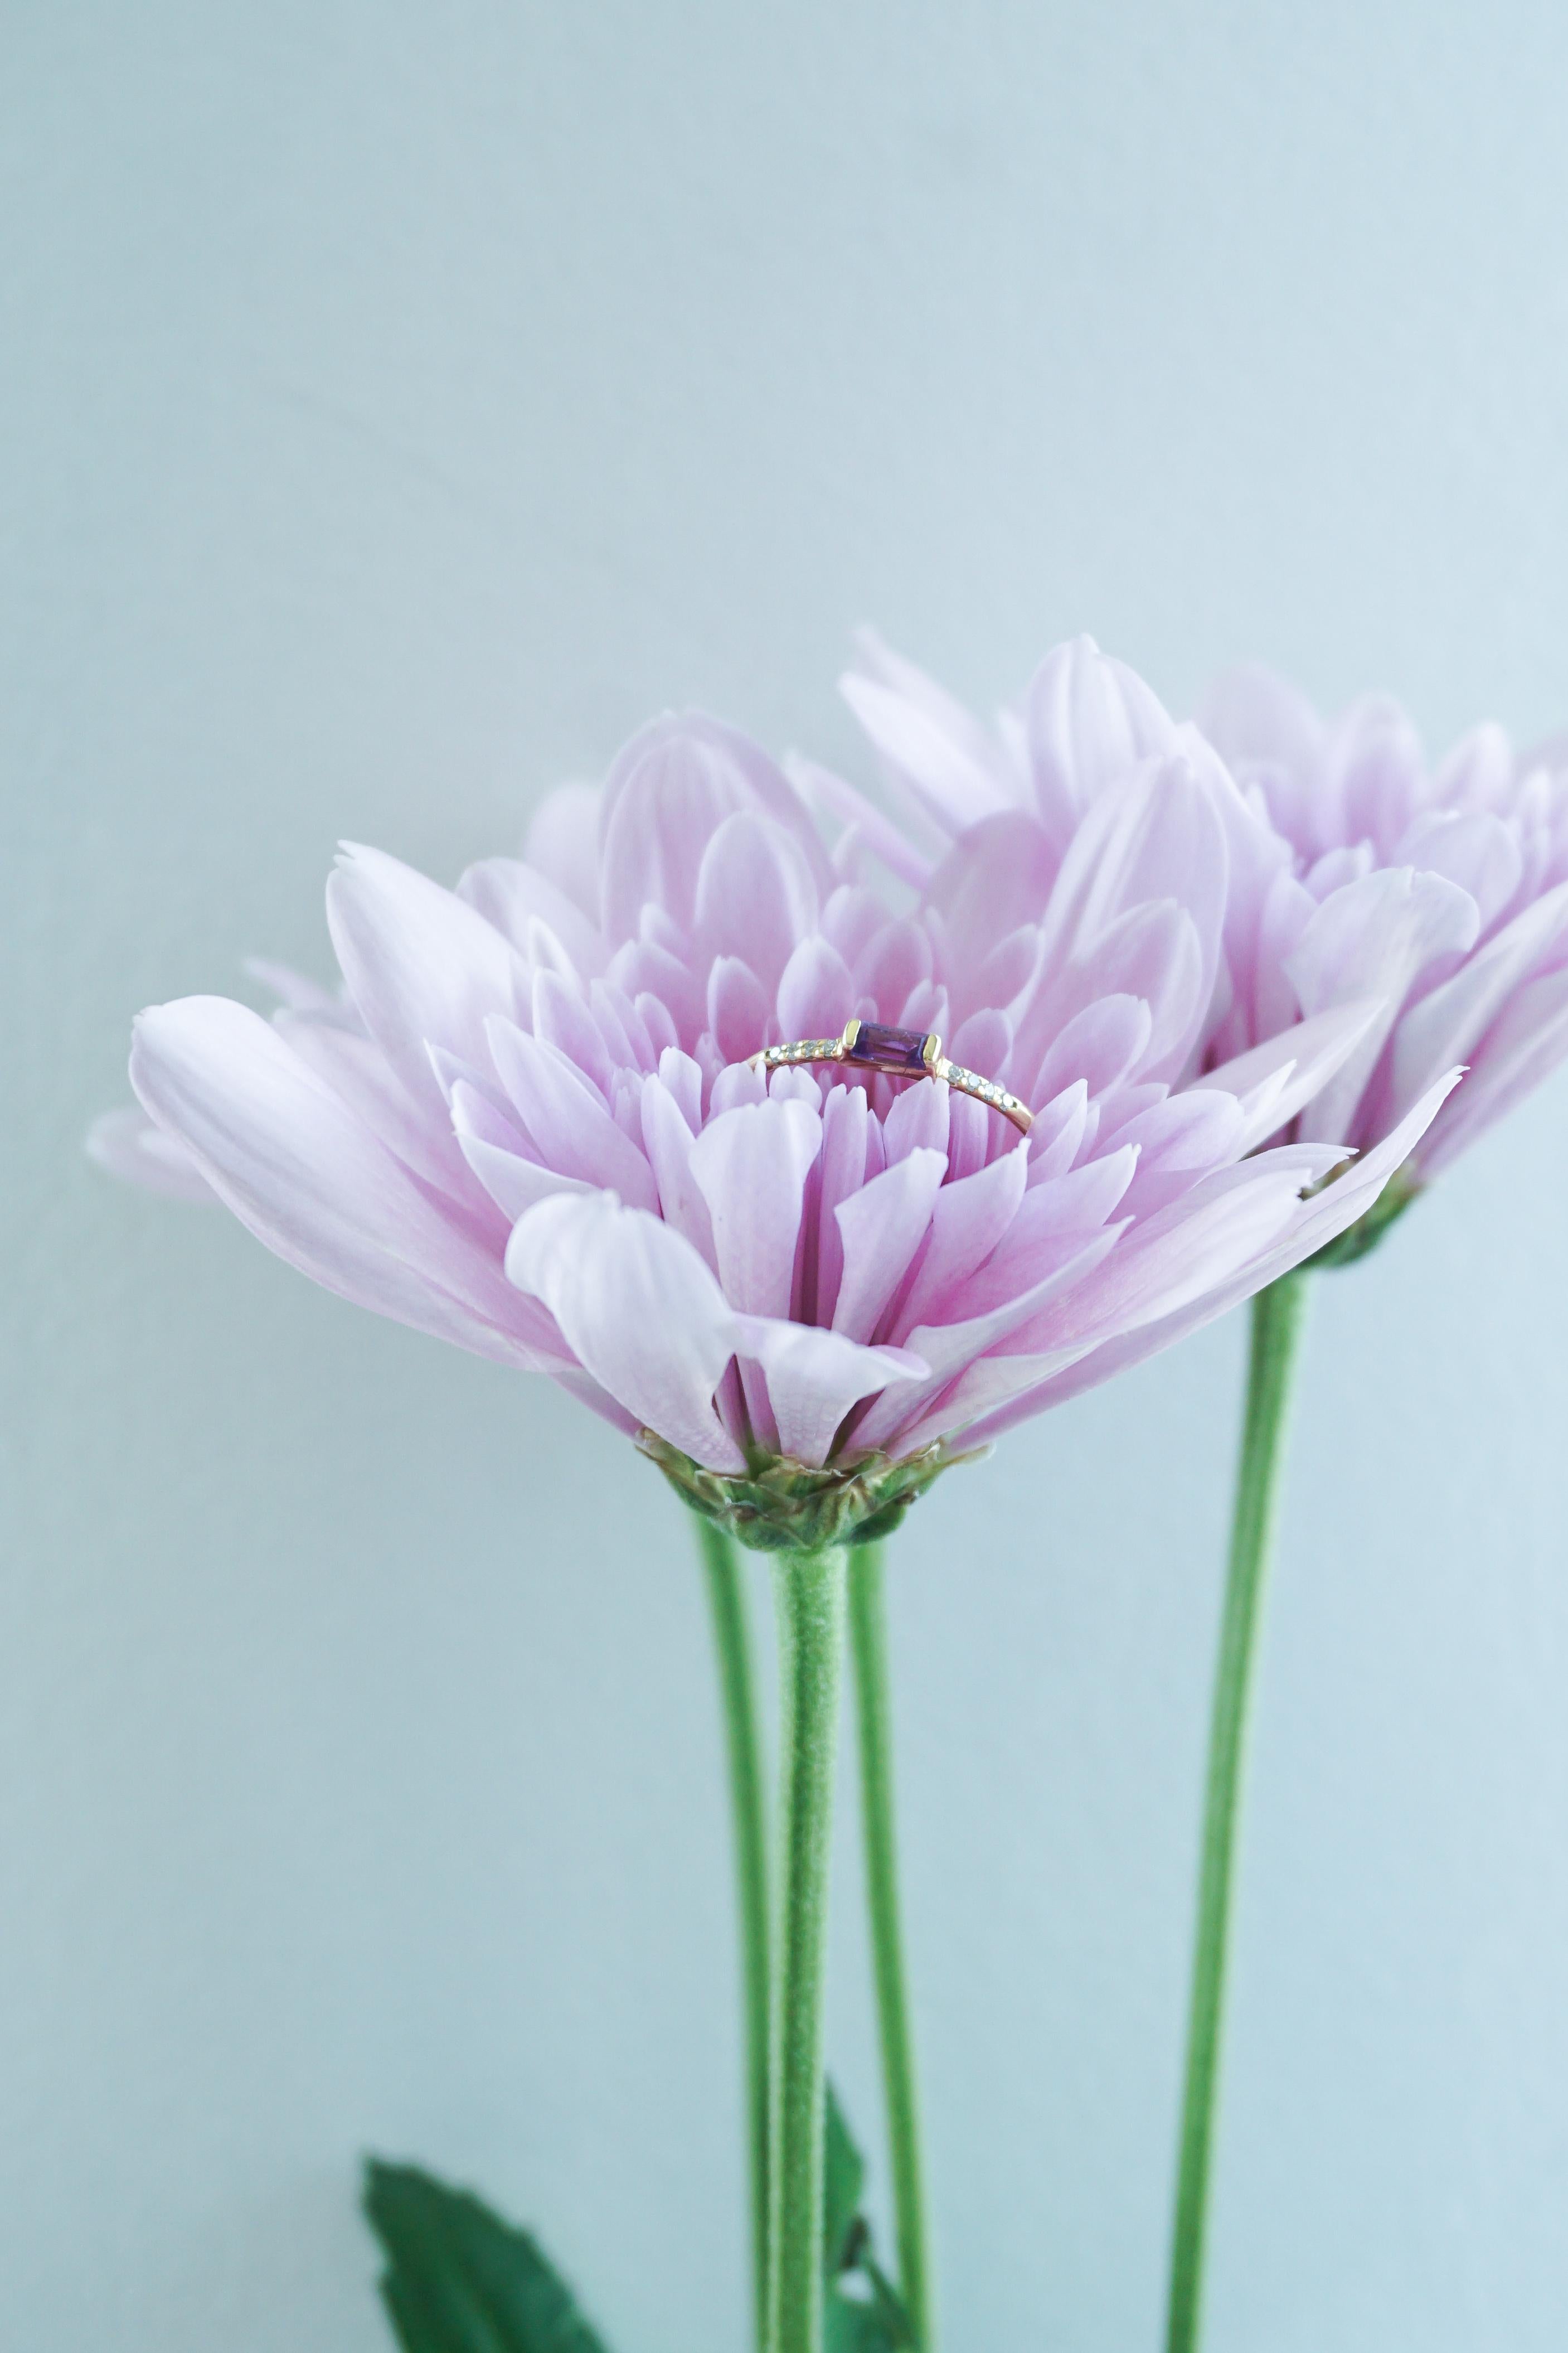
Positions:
{"x": 1277, "y": 1315}
{"x": 810, "y": 1590}
{"x": 868, "y": 1646}
{"x": 731, "y": 1643}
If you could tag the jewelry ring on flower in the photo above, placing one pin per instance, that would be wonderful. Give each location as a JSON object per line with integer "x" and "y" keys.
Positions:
{"x": 899, "y": 1054}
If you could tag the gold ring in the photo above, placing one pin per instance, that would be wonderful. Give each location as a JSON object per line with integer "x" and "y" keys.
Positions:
{"x": 899, "y": 1054}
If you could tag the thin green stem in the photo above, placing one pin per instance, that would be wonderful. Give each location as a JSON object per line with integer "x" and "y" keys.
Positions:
{"x": 731, "y": 1644}
{"x": 810, "y": 1591}
{"x": 1277, "y": 1315}
{"x": 869, "y": 1647}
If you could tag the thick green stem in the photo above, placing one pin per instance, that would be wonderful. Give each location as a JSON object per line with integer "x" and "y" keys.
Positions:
{"x": 869, "y": 1645}
{"x": 810, "y": 1590}
{"x": 1277, "y": 1315}
{"x": 731, "y": 1643}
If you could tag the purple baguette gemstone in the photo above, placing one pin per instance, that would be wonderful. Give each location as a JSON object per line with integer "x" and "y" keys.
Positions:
{"x": 878, "y": 1048}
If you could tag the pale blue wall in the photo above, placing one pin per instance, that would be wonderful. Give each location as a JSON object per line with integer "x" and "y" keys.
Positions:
{"x": 398, "y": 403}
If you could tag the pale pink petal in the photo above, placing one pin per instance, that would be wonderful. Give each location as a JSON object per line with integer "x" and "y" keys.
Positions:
{"x": 1373, "y": 938}
{"x": 422, "y": 965}
{"x": 1375, "y": 772}
{"x": 813, "y": 1377}
{"x": 1158, "y": 836}
{"x": 1317, "y": 1222}
{"x": 892, "y": 965}
{"x": 845, "y": 1119}
{"x": 310, "y": 1180}
{"x": 565, "y": 1115}
{"x": 354, "y": 1067}
{"x": 750, "y": 1165}
{"x": 968, "y": 1221}
{"x": 917, "y": 1121}
{"x": 879, "y": 663}
{"x": 882, "y": 1225}
{"x": 298, "y": 991}
{"x": 738, "y": 1009}
{"x": 1273, "y": 1080}
{"x": 541, "y": 920}
{"x": 1098, "y": 1046}
{"x": 815, "y": 993}
{"x": 948, "y": 1348}
{"x": 667, "y": 797}
{"x": 1524, "y": 1045}
{"x": 1252, "y": 717}
{"x": 1152, "y": 953}
{"x": 1177, "y": 1141}
{"x": 1059, "y": 1132}
{"x": 756, "y": 897}
{"x": 736, "y": 1085}
{"x": 680, "y": 1075}
{"x": 1088, "y": 720}
{"x": 563, "y": 844}
{"x": 639, "y": 1311}
{"x": 561, "y": 1019}
{"x": 496, "y": 1153}
{"x": 669, "y": 1125}
{"x": 669, "y": 792}
{"x": 997, "y": 875}
{"x": 982, "y": 1389}
{"x": 820, "y": 789}
{"x": 1448, "y": 1026}
{"x": 1166, "y": 1261}
{"x": 1473, "y": 849}
{"x": 129, "y": 1145}
{"x": 929, "y": 745}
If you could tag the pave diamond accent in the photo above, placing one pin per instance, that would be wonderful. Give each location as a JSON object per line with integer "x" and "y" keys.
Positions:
{"x": 900, "y": 1054}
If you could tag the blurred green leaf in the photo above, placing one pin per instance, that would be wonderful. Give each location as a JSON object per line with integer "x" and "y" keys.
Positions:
{"x": 862, "y": 2310}
{"x": 844, "y": 2168}
{"x": 459, "y": 2280}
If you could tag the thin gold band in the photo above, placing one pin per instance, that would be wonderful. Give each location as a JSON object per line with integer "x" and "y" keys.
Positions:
{"x": 906, "y": 1053}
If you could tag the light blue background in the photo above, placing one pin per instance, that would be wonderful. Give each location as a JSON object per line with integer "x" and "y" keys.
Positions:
{"x": 399, "y": 404}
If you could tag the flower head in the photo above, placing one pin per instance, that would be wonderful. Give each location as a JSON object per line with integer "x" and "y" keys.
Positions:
{"x": 528, "y": 1122}
{"x": 1356, "y": 870}
{"x": 1446, "y": 888}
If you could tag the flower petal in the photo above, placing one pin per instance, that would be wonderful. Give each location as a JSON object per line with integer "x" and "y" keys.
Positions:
{"x": 882, "y": 1225}
{"x": 755, "y": 897}
{"x": 563, "y": 845}
{"x": 311, "y": 1181}
{"x": 750, "y": 1165}
{"x": 814, "y": 1377}
{"x": 638, "y": 1310}
{"x": 1373, "y": 938}
{"x": 133, "y": 1147}
{"x": 565, "y": 1115}
{"x": 519, "y": 902}
{"x": 1089, "y": 722}
{"x": 423, "y": 966}
{"x": 1448, "y": 1026}
{"x": 1273, "y": 1080}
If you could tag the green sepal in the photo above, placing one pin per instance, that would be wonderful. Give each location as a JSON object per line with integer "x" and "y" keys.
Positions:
{"x": 862, "y": 2310}
{"x": 844, "y": 2178}
{"x": 459, "y": 2280}
{"x": 1371, "y": 1227}
{"x": 777, "y": 1505}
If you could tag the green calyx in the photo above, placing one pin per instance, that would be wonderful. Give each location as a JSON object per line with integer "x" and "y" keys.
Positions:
{"x": 777, "y": 1505}
{"x": 1370, "y": 1228}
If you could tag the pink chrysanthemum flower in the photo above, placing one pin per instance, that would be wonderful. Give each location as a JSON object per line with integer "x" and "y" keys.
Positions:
{"x": 1355, "y": 870}
{"x": 529, "y": 1123}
